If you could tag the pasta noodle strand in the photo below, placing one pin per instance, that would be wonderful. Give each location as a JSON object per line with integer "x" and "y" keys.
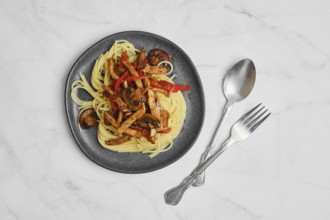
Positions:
{"x": 174, "y": 104}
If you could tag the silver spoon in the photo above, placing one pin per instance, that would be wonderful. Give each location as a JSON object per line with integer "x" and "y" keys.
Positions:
{"x": 237, "y": 85}
{"x": 242, "y": 129}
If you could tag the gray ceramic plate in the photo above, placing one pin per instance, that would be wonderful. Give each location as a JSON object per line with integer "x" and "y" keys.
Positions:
{"x": 138, "y": 162}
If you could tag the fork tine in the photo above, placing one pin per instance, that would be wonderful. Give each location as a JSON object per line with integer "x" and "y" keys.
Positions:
{"x": 248, "y": 120}
{"x": 246, "y": 115}
{"x": 255, "y": 119}
{"x": 254, "y": 127}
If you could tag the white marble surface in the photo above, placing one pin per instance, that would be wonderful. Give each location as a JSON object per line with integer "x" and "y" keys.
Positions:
{"x": 281, "y": 172}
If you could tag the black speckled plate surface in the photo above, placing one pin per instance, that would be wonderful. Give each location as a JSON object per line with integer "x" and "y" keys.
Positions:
{"x": 139, "y": 162}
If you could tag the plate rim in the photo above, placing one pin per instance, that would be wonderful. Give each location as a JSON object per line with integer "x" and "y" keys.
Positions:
{"x": 68, "y": 88}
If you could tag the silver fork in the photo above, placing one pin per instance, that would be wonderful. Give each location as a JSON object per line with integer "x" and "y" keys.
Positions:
{"x": 240, "y": 131}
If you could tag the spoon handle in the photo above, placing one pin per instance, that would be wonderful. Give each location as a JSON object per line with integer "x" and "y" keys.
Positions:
{"x": 200, "y": 179}
{"x": 174, "y": 195}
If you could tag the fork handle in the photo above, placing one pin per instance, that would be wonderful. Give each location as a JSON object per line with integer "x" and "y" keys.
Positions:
{"x": 174, "y": 195}
{"x": 200, "y": 179}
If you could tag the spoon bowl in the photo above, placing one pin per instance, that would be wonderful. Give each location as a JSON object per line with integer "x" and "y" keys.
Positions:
{"x": 239, "y": 81}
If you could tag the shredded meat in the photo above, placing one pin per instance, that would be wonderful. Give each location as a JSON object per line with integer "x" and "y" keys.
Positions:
{"x": 142, "y": 59}
{"x": 118, "y": 141}
{"x": 133, "y": 97}
{"x": 151, "y": 102}
{"x": 133, "y": 72}
{"x": 155, "y": 70}
{"x": 114, "y": 123}
{"x": 165, "y": 116}
{"x": 121, "y": 104}
{"x": 124, "y": 126}
{"x": 108, "y": 90}
{"x": 111, "y": 68}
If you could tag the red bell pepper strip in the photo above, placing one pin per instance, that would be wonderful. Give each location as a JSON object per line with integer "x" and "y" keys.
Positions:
{"x": 168, "y": 86}
{"x": 120, "y": 80}
{"x": 178, "y": 87}
{"x": 162, "y": 84}
{"x": 165, "y": 131}
{"x": 155, "y": 84}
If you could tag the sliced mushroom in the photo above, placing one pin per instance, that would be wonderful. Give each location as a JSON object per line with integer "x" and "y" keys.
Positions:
{"x": 156, "y": 56}
{"x": 149, "y": 121}
{"x": 134, "y": 105}
{"x": 125, "y": 94}
{"x": 88, "y": 118}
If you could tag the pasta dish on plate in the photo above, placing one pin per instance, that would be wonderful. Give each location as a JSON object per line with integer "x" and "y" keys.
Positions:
{"x": 134, "y": 102}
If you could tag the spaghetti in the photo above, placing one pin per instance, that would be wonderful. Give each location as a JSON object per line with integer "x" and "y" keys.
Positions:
{"x": 135, "y": 103}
